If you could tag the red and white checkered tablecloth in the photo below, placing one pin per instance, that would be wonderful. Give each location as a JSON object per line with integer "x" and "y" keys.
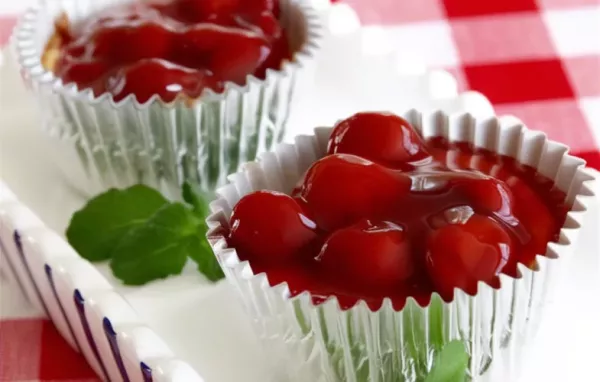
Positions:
{"x": 536, "y": 59}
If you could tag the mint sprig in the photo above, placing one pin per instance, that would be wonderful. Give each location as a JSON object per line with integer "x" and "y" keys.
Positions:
{"x": 144, "y": 236}
{"x": 206, "y": 265}
{"x": 97, "y": 228}
{"x": 451, "y": 364}
{"x": 196, "y": 199}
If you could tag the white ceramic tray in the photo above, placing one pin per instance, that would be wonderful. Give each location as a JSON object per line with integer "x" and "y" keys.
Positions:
{"x": 182, "y": 328}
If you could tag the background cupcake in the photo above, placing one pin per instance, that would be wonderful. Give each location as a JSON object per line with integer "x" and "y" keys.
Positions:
{"x": 324, "y": 338}
{"x": 117, "y": 117}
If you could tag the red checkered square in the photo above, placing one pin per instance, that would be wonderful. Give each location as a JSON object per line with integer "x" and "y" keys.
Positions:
{"x": 520, "y": 81}
{"x": 394, "y": 12}
{"x": 20, "y": 349}
{"x": 76, "y": 368}
{"x": 466, "y": 8}
{"x": 591, "y": 157}
{"x": 6, "y": 25}
{"x": 564, "y": 4}
{"x": 33, "y": 350}
{"x": 562, "y": 120}
{"x": 502, "y": 38}
{"x": 584, "y": 73}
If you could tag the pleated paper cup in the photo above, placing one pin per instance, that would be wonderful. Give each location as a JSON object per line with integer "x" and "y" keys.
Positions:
{"x": 323, "y": 342}
{"x": 99, "y": 143}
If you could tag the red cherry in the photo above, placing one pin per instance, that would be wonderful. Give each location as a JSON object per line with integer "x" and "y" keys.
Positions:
{"x": 239, "y": 54}
{"x": 84, "y": 74}
{"x": 269, "y": 228}
{"x": 124, "y": 44}
{"x": 342, "y": 189}
{"x": 201, "y": 10}
{"x": 259, "y": 6}
{"x": 381, "y": 137}
{"x": 488, "y": 194}
{"x": 195, "y": 46}
{"x": 280, "y": 52}
{"x": 168, "y": 81}
{"x": 368, "y": 255}
{"x": 459, "y": 159}
{"x": 269, "y": 25}
{"x": 461, "y": 255}
{"x": 74, "y": 51}
{"x": 483, "y": 163}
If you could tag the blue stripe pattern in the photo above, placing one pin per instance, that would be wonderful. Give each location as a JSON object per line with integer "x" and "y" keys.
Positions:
{"x": 79, "y": 301}
{"x": 111, "y": 336}
{"x": 13, "y": 269}
{"x": 19, "y": 245}
{"x": 146, "y": 372}
{"x": 80, "y": 306}
{"x": 62, "y": 309}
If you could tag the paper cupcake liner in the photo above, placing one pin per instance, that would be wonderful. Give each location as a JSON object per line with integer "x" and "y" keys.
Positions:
{"x": 325, "y": 343}
{"x": 101, "y": 144}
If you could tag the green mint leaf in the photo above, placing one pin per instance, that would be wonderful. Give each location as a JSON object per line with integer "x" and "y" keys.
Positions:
{"x": 196, "y": 199}
{"x": 451, "y": 364}
{"x": 206, "y": 260}
{"x": 96, "y": 229}
{"x": 158, "y": 248}
{"x": 207, "y": 263}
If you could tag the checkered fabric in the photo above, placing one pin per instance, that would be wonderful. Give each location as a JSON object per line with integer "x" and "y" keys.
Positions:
{"x": 538, "y": 60}
{"x": 31, "y": 349}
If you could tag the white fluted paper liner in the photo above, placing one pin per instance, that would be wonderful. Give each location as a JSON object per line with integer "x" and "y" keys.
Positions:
{"x": 324, "y": 343}
{"x": 101, "y": 144}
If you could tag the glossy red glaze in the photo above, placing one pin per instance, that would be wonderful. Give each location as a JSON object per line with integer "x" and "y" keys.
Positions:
{"x": 380, "y": 137}
{"x": 270, "y": 228}
{"x": 341, "y": 189}
{"x": 458, "y": 216}
{"x": 384, "y": 244}
{"x": 461, "y": 255}
{"x": 176, "y": 46}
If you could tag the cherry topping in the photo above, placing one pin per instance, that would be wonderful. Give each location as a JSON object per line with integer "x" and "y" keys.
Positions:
{"x": 123, "y": 43}
{"x": 85, "y": 73}
{"x": 394, "y": 228}
{"x": 380, "y": 137}
{"x": 269, "y": 25}
{"x": 209, "y": 41}
{"x": 259, "y": 6}
{"x": 198, "y": 11}
{"x": 168, "y": 80}
{"x": 342, "y": 189}
{"x": 488, "y": 194}
{"x": 536, "y": 215}
{"x": 269, "y": 227}
{"x": 461, "y": 255}
{"x": 368, "y": 255}
{"x": 239, "y": 55}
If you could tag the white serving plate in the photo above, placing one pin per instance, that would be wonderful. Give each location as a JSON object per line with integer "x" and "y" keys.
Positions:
{"x": 183, "y": 327}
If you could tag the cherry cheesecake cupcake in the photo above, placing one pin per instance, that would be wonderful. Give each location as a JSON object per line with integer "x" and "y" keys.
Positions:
{"x": 421, "y": 247}
{"x": 163, "y": 91}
